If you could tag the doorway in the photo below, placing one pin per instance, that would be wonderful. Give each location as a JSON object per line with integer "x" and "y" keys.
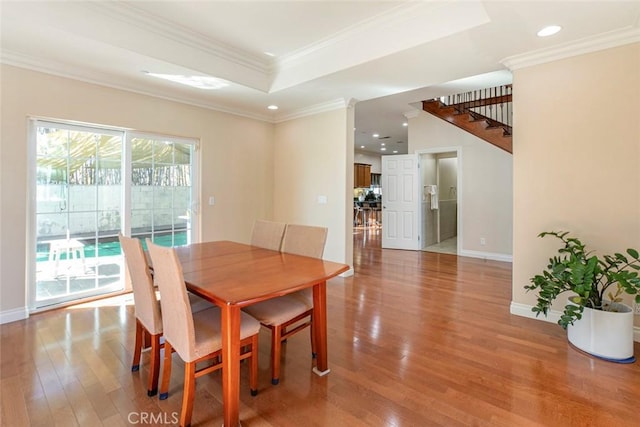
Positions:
{"x": 89, "y": 184}
{"x": 440, "y": 204}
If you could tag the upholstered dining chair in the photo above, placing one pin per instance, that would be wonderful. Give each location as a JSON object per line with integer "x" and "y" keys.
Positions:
{"x": 289, "y": 314}
{"x": 196, "y": 337}
{"x": 148, "y": 316}
{"x": 267, "y": 234}
{"x": 147, "y": 308}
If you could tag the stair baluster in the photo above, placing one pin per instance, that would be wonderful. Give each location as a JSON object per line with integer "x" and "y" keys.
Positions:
{"x": 474, "y": 112}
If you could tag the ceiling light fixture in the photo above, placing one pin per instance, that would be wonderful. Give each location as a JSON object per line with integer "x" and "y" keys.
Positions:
{"x": 549, "y": 30}
{"x": 362, "y": 146}
{"x": 405, "y": 124}
{"x": 383, "y": 149}
{"x": 272, "y": 107}
{"x": 375, "y": 135}
{"x": 395, "y": 151}
{"x": 382, "y": 143}
{"x": 200, "y": 82}
{"x": 269, "y": 54}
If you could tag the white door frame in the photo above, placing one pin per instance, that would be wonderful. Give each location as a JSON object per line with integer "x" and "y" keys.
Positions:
{"x": 458, "y": 151}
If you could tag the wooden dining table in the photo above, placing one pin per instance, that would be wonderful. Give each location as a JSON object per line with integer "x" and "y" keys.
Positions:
{"x": 234, "y": 275}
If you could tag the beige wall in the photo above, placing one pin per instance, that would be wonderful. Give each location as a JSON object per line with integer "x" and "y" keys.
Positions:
{"x": 486, "y": 194}
{"x": 242, "y": 193}
{"x": 576, "y": 157}
{"x": 314, "y": 157}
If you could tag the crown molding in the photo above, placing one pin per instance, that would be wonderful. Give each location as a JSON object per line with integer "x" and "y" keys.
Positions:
{"x": 583, "y": 46}
{"x": 395, "y": 14}
{"x": 129, "y": 14}
{"x": 314, "y": 109}
{"x": 351, "y": 103}
{"x": 413, "y": 23}
{"x": 60, "y": 70}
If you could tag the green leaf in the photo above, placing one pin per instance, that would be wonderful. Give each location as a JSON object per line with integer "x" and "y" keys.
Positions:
{"x": 621, "y": 257}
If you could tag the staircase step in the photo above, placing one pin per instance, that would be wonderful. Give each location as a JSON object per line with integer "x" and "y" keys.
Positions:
{"x": 473, "y": 123}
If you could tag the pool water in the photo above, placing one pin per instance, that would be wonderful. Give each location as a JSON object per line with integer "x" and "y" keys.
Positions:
{"x": 110, "y": 246}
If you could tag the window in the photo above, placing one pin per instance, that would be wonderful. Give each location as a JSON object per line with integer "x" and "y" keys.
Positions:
{"x": 91, "y": 184}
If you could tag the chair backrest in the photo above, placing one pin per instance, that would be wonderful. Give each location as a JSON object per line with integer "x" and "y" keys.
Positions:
{"x": 177, "y": 320}
{"x": 144, "y": 294}
{"x": 267, "y": 234}
{"x": 304, "y": 240}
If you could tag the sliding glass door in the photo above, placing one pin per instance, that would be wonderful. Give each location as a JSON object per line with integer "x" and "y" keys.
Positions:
{"x": 77, "y": 212}
{"x": 162, "y": 189}
{"x": 90, "y": 185}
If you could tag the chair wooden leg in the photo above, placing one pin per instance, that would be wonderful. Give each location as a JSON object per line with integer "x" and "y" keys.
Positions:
{"x": 147, "y": 339}
{"x": 276, "y": 346}
{"x": 313, "y": 339}
{"x": 253, "y": 368}
{"x": 137, "y": 349}
{"x": 166, "y": 371}
{"x": 188, "y": 393}
{"x": 154, "y": 368}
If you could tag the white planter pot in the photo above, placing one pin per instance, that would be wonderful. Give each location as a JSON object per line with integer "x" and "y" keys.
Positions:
{"x": 604, "y": 334}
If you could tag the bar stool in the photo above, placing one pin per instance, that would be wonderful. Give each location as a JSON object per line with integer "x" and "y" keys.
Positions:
{"x": 377, "y": 214}
{"x": 366, "y": 213}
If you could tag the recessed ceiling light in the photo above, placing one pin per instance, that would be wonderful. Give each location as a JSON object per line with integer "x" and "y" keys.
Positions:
{"x": 382, "y": 143}
{"x": 395, "y": 151}
{"x": 549, "y": 30}
{"x": 383, "y": 149}
{"x": 405, "y": 124}
{"x": 200, "y": 82}
{"x": 375, "y": 135}
{"x": 362, "y": 146}
{"x": 272, "y": 107}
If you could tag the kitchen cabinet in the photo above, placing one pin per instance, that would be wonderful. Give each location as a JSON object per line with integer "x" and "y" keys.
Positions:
{"x": 361, "y": 175}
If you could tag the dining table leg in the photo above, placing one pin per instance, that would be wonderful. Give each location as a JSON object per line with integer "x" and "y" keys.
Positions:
{"x": 230, "y": 324}
{"x": 320, "y": 328}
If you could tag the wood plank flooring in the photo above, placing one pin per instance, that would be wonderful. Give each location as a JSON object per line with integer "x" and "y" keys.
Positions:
{"x": 415, "y": 339}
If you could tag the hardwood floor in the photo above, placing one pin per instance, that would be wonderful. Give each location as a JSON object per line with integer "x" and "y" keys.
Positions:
{"x": 415, "y": 339}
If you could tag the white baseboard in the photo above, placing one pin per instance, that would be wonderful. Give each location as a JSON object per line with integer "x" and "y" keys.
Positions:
{"x": 16, "y": 314}
{"x": 347, "y": 273}
{"x": 553, "y": 316}
{"x": 486, "y": 255}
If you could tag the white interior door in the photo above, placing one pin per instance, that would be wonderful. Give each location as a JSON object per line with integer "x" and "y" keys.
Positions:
{"x": 401, "y": 202}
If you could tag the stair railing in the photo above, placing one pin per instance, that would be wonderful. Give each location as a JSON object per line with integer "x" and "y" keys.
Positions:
{"x": 494, "y": 105}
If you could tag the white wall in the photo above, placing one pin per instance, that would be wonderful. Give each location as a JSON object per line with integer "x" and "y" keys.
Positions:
{"x": 369, "y": 159}
{"x": 447, "y": 177}
{"x": 486, "y": 198}
{"x": 576, "y": 158}
{"x": 428, "y": 176}
{"x": 236, "y": 159}
{"x": 313, "y": 158}
{"x": 447, "y": 195}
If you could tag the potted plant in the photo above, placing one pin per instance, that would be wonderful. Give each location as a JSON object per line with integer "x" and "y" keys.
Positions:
{"x": 595, "y": 318}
